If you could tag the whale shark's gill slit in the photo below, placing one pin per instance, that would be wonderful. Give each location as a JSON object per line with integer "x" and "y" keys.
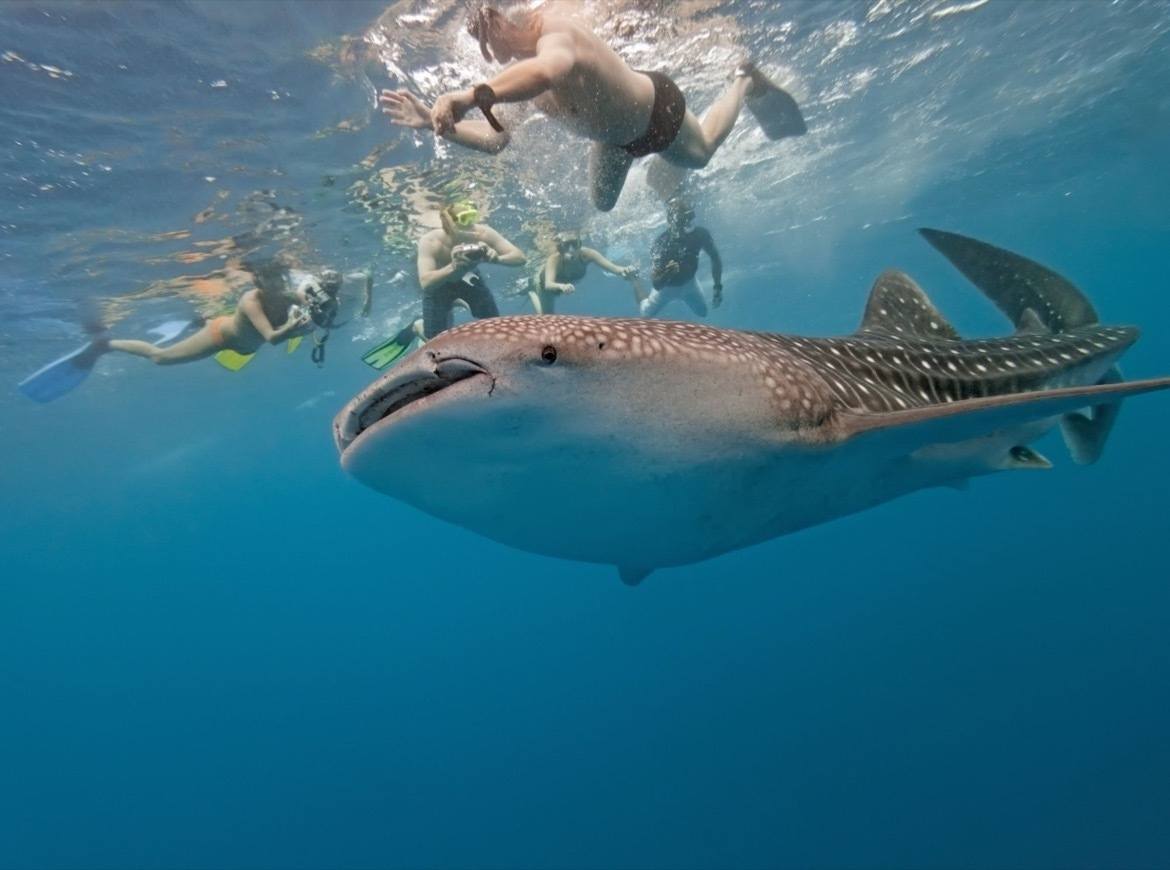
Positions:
{"x": 398, "y": 399}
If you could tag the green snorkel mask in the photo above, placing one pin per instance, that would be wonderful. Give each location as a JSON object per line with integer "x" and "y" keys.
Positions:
{"x": 463, "y": 214}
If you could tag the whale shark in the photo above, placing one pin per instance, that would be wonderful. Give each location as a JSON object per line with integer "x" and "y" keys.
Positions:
{"x": 646, "y": 444}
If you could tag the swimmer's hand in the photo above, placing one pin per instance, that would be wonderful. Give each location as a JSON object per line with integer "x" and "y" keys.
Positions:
{"x": 565, "y": 288}
{"x": 449, "y": 110}
{"x": 405, "y": 109}
{"x": 491, "y": 256}
{"x": 298, "y": 317}
{"x": 463, "y": 257}
{"x": 630, "y": 272}
{"x": 671, "y": 267}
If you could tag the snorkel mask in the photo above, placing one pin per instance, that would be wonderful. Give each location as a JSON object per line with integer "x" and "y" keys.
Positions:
{"x": 463, "y": 214}
{"x": 568, "y": 243}
{"x": 680, "y": 216}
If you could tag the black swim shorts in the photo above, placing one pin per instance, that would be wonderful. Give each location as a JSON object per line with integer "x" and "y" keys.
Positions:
{"x": 666, "y": 118}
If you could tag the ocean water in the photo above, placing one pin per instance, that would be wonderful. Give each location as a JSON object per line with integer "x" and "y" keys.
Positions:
{"x": 216, "y": 650}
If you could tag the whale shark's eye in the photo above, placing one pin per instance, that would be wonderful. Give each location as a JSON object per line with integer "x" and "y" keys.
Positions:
{"x": 549, "y": 354}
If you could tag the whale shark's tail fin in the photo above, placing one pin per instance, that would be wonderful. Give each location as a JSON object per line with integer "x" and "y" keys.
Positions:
{"x": 1038, "y": 300}
{"x": 1016, "y": 284}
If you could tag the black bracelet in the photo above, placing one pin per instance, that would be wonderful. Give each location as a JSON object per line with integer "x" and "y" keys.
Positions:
{"x": 485, "y": 98}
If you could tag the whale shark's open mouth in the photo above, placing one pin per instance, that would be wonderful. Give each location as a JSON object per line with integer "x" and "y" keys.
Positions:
{"x": 396, "y": 396}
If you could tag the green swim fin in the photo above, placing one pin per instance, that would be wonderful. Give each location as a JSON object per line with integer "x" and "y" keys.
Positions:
{"x": 295, "y": 342}
{"x": 388, "y": 352}
{"x": 773, "y": 107}
{"x": 233, "y": 361}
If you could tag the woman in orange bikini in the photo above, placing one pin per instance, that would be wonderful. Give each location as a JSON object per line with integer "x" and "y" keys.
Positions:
{"x": 245, "y": 331}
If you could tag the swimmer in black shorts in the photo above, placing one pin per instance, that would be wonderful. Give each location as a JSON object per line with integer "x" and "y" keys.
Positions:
{"x": 578, "y": 80}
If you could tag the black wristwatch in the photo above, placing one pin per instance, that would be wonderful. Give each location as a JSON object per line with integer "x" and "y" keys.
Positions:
{"x": 485, "y": 98}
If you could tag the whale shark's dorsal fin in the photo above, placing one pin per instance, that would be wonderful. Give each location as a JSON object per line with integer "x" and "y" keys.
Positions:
{"x": 897, "y": 306}
{"x": 1014, "y": 283}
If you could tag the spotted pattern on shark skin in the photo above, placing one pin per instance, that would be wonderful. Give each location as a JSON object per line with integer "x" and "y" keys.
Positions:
{"x": 801, "y": 397}
{"x": 879, "y": 375}
{"x": 866, "y": 373}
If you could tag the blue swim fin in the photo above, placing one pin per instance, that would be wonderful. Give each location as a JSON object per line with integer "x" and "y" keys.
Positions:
{"x": 63, "y": 375}
{"x": 774, "y": 108}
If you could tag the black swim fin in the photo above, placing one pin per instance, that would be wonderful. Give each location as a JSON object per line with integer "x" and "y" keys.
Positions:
{"x": 773, "y": 107}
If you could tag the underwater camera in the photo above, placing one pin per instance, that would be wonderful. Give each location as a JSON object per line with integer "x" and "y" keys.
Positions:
{"x": 474, "y": 251}
{"x": 322, "y": 300}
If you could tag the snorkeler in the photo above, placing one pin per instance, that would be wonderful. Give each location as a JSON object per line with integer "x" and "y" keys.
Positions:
{"x": 238, "y": 335}
{"x": 243, "y": 332}
{"x": 578, "y": 80}
{"x": 568, "y": 263}
{"x": 674, "y": 261}
{"x": 448, "y": 272}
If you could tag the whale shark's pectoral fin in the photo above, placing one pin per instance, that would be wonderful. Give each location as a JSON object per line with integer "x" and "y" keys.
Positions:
{"x": 1085, "y": 434}
{"x": 975, "y": 418}
{"x": 1026, "y": 458}
{"x": 897, "y": 306}
{"x": 632, "y": 576}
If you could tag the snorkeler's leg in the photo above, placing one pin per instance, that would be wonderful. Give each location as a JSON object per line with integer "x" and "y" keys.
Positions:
{"x": 534, "y": 298}
{"x": 652, "y": 304}
{"x": 608, "y": 167}
{"x": 481, "y": 302}
{"x": 437, "y": 305}
{"x": 697, "y": 141}
{"x": 201, "y": 345}
{"x": 417, "y": 326}
{"x": 665, "y": 178}
{"x": 693, "y": 297}
{"x": 639, "y": 292}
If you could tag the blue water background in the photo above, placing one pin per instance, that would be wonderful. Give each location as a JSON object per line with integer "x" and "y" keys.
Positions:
{"x": 218, "y": 651}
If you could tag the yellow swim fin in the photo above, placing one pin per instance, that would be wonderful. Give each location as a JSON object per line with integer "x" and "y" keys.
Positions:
{"x": 295, "y": 342}
{"x": 233, "y": 361}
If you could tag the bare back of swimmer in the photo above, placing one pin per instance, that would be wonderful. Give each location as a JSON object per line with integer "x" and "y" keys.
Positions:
{"x": 579, "y": 81}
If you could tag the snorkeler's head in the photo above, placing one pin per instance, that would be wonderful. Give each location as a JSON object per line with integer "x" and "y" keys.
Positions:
{"x": 459, "y": 217}
{"x": 507, "y": 37}
{"x": 331, "y": 281}
{"x": 268, "y": 273}
{"x": 679, "y": 215}
{"x": 568, "y": 244}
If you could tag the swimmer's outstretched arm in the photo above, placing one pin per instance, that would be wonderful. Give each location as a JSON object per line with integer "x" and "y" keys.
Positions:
{"x": 506, "y": 254}
{"x": 517, "y": 83}
{"x": 407, "y": 110}
{"x": 608, "y": 265}
{"x": 254, "y": 311}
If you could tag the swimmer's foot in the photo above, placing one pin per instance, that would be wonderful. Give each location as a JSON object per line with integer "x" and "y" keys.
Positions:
{"x": 773, "y": 107}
